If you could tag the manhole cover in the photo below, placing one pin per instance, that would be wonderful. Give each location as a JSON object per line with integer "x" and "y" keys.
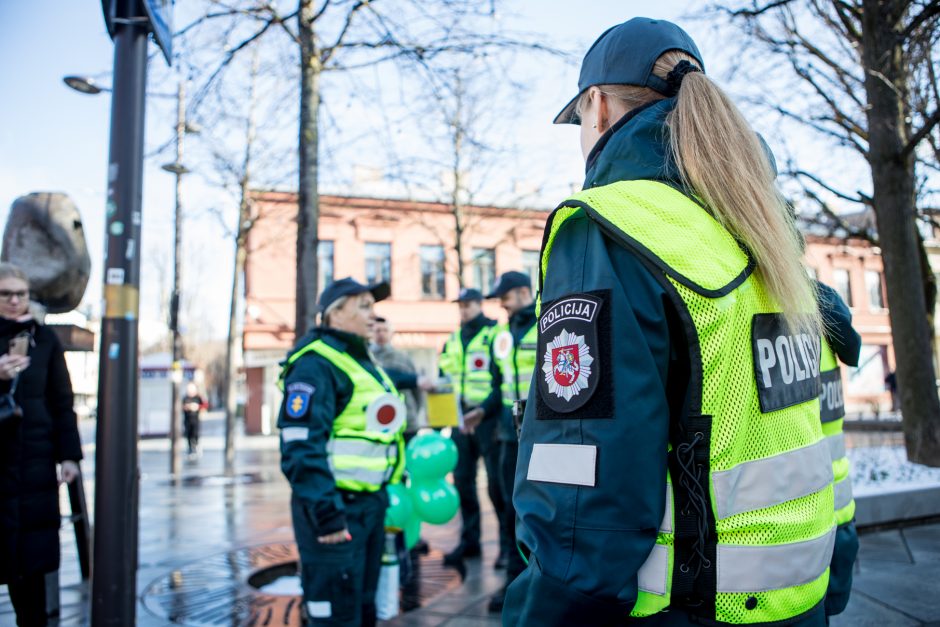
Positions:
{"x": 224, "y": 589}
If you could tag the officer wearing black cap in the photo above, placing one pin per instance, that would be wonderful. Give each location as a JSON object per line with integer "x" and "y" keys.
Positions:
{"x": 513, "y": 360}
{"x": 672, "y": 467}
{"x": 465, "y": 360}
{"x": 341, "y": 425}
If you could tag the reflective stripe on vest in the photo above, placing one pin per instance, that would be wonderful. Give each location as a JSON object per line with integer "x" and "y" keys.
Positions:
{"x": 360, "y": 460}
{"x": 748, "y": 569}
{"x": 518, "y": 366}
{"x": 832, "y": 415}
{"x": 769, "y": 474}
{"x": 471, "y": 382}
{"x": 772, "y": 480}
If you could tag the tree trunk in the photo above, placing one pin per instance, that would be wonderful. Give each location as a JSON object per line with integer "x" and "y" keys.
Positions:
{"x": 308, "y": 209}
{"x": 886, "y": 86}
{"x": 241, "y": 233}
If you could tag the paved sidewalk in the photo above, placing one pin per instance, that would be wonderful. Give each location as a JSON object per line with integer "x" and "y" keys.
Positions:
{"x": 200, "y": 541}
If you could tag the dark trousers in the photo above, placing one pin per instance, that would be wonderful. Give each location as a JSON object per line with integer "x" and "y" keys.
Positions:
{"x": 340, "y": 580}
{"x": 28, "y": 595}
{"x": 470, "y": 448}
{"x": 508, "y": 453}
{"x": 191, "y": 429}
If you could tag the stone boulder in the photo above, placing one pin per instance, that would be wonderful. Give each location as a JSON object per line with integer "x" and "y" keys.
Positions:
{"x": 44, "y": 237}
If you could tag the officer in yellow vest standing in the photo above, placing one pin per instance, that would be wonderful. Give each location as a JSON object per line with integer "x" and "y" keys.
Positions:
{"x": 513, "y": 364}
{"x": 341, "y": 428}
{"x": 672, "y": 466}
{"x": 465, "y": 359}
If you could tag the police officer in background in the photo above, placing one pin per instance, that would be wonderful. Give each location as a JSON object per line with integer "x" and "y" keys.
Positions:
{"x": 465, "y": 360}
{"x": 513, "y": 359}
{"x": 672, "y": 467}
{"x": 341, "y": 442}
{"x": 393, "y": 360}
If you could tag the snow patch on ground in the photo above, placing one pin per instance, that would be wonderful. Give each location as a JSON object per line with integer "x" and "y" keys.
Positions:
{"x": 880, "y": 469}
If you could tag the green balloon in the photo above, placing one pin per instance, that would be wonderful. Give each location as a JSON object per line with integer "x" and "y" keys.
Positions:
{"x": 412, "y": 532}
{"x": 400, "y": 509}
{"x": 430, "y": 456}
{"x": 435, "y": 502}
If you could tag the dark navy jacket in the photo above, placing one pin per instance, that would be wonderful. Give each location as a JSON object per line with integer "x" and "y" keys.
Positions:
{"x": 587, "y": 544}
{"x": 305, "y": 462}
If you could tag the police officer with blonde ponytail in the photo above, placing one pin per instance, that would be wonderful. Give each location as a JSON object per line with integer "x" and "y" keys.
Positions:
{"x": 672, "y": 467}
{"x": 341, "y": 425}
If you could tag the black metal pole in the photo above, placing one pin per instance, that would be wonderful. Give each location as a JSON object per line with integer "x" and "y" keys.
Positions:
{"x": 114, "y": 569}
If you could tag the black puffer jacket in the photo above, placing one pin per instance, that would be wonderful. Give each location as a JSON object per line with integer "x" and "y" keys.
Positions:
{"x": 29, "y": 450}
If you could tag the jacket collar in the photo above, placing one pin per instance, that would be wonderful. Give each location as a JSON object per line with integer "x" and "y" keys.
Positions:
{"x": 340, "y": 340}
{"x": 635, "y": 148}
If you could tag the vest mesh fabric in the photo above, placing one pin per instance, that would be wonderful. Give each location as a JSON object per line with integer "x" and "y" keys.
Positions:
{"x": 698, "y": 256}
{"x": 351, "y": 422}
{"x": 517, "y": 366}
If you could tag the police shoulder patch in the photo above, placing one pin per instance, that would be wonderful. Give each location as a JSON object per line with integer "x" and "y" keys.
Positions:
{"x": 569, "y": 352}
{"x": 786, "y": 363}
{"x": 297, "y": 399}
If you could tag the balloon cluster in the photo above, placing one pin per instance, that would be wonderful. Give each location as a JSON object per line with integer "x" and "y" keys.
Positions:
{"x": 429, "y": 497}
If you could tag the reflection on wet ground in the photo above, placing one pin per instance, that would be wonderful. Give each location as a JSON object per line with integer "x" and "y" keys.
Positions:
{"x": 202, "y": 539}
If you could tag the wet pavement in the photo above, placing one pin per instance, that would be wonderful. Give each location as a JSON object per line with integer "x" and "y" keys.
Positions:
{"x": 201, "y": 541}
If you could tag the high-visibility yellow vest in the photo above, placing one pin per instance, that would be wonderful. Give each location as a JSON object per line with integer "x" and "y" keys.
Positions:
{"x": 832, "y": 415}
{"x": 516, "y": 361}
{"x": 764, "y": 478}
{"x": 469, "y": 370}
{"x": 360, "y": 460}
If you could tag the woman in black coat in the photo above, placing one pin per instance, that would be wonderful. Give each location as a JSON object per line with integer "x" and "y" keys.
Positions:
{"x": 30, "y": 448}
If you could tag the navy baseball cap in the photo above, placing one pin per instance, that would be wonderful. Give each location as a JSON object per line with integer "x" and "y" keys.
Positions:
{"x": 625, "y": 55}
{"x": 468, "y": 294}
{"x": 509, "y": 281}
{"x": 350, "y": 287}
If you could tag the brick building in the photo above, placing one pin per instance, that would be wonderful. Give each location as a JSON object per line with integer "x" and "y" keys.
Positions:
{"x": 411, "y": 244}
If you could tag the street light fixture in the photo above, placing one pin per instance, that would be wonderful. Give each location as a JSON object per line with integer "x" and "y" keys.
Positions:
{"x": 87, "y": 85}
{"x": 84, "y": 84}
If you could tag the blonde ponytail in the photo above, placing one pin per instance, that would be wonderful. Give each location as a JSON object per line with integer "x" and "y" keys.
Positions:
{"x": 722, "y": 161}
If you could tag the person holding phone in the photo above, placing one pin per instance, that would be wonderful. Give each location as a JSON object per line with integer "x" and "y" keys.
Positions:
{"x": 31, "y": 447}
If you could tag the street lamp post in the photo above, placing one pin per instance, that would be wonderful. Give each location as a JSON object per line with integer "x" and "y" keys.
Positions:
{"x": 176, "y": 372}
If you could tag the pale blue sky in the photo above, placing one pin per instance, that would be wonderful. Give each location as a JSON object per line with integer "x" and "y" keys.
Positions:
{"x": 54, "y": 139}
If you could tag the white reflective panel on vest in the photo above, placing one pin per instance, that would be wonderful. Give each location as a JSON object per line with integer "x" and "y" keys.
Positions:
{"x": 652, "y": 576}
{"x": 836, "y": 446}
{"x": 772, "y": 480}
{"x": 762, "y": 568}
{"x": 363, "y": 448}
{"x": 666, "y": 525}
{"x": 842, "y": 494}
{"x": 372, "y": 477}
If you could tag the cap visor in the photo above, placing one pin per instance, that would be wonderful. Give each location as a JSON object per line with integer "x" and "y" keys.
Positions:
{"x": 380, "y": 291}
{"x": 567, "y": 115}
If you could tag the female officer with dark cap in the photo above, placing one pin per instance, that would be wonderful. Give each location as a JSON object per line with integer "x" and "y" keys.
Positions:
{"x": 672, "y": 468}
{"x": 341, "y": 443}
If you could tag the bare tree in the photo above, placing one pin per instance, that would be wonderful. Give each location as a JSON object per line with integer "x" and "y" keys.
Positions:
{"x": 868, "y": 69}
{"x": 343, "y": 36}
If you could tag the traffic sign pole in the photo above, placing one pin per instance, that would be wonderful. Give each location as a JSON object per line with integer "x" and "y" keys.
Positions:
{"x": 114, "y": 570}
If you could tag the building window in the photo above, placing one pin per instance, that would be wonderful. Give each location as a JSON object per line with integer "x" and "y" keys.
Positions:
{"x": 432, "y": 271}
{"x": 484, "y": 269}
{"x": 873, "y": 285}
{"x": 842, "y": 285}
{"x": 378, "y": 262}
{"x": 324, "y": 263}
{"x": 530, "y": 266}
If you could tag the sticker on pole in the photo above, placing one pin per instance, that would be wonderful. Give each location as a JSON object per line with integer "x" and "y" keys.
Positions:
{"x": 386, "y": 414}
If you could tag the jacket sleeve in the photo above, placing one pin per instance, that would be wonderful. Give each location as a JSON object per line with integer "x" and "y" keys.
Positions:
{"x": 402, "y": 380}
{"x": 587, "y": 542}
{"x": 60, "y": 403}
{"x": 304, "y": 438}
{"x": 837, "y": 318}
